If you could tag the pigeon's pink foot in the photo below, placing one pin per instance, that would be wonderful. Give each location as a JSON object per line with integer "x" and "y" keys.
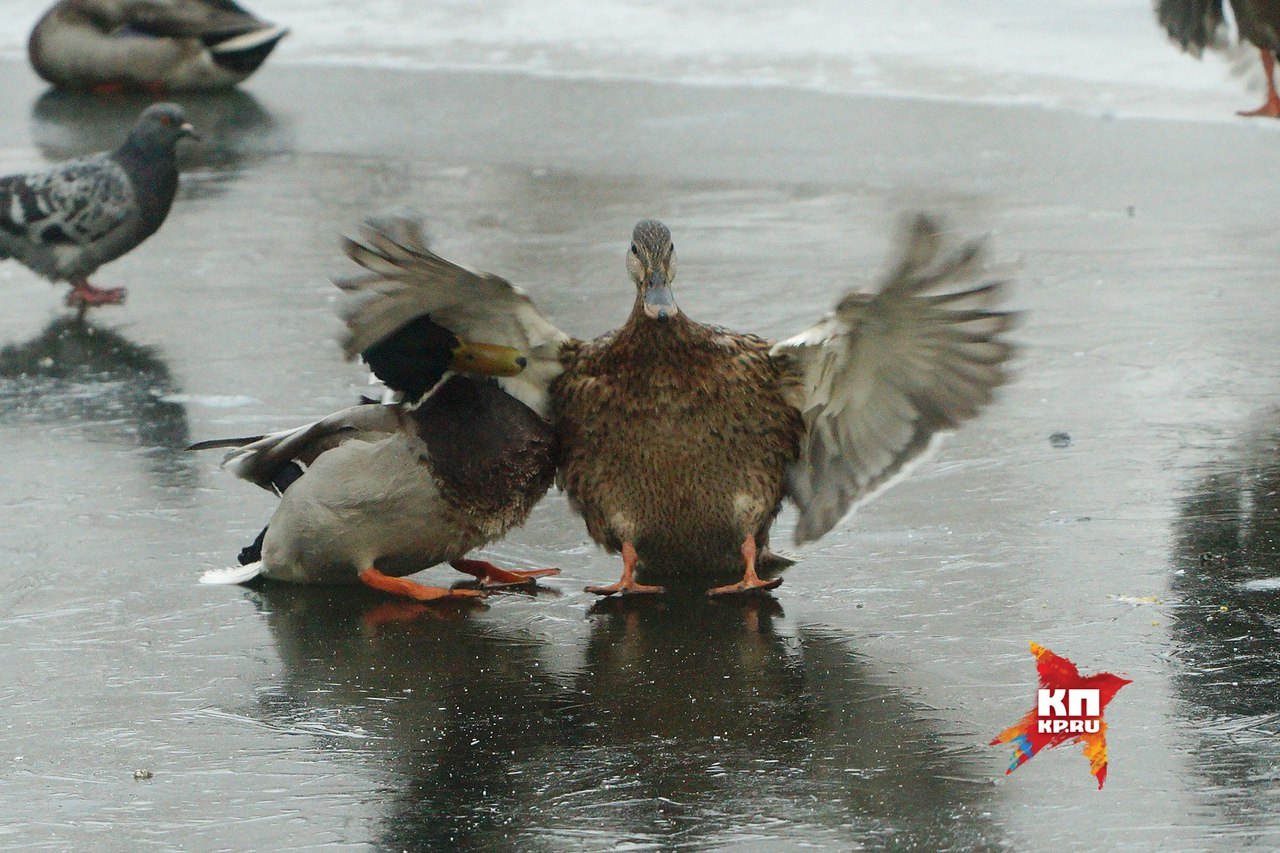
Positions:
{"x": 84, "y": 295}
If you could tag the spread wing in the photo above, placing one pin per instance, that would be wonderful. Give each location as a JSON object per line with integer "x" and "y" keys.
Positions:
{"x": 878, "y": 377}
{"x": 406, "y": 281}
{"x": 77, "y": 204}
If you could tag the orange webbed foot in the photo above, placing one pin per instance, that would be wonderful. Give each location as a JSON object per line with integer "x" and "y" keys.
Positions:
{"x": 627, "y": 586}
{"x": 413, "y": 589}
{"x": 746, "y": 585}
{"x": 492, "y": 577}
{"x": 750, "y": 582}
{"x": 1271, "y": 109}
{"x": 627, "y": 583}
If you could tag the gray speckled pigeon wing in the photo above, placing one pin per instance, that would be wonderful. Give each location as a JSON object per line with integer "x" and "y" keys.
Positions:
{"x": 70, "y": 219}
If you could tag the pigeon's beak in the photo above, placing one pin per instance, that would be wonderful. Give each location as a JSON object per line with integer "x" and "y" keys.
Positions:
{"x": 488, "y": 359}
{"x": 188, "y": 130}
{"x": 659, "y": 301}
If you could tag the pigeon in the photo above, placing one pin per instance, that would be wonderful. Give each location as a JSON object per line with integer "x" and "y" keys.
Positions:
{"x": 158, "y": 45}
{"x": 67, "y": 221}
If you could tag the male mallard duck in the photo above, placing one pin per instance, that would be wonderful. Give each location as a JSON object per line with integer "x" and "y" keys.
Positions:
{"x": 67, "y": 221}
{"x": 149, "y": 44}
{"x": 376, "y": 492}
{"x": 1194, "y": 25}
{"x": 679, "y": 440}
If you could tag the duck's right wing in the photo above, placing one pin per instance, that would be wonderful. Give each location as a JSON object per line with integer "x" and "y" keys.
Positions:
{"x": 274, "y": 461}
{"x": 407, "y": 281}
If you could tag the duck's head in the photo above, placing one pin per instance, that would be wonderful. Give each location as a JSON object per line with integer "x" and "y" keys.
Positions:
{"x": 417, "y": 356}
{"x": 164, "y": 125}
{"x": 651, "y": 260}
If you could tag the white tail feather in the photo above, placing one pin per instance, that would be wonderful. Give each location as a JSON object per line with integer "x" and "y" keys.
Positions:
{"x": 235, "y": 574}
{"x": 250, "y": 40}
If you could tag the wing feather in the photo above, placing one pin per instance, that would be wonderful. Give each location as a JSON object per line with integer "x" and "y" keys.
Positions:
{"x": 406, "y": 280}
{"x": 260, "y": 459}
{"x": 882, "y": 375}
{"x": 80, "y": 203}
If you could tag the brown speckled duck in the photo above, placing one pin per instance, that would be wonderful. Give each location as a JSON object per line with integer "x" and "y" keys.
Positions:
{"x": 1195, "y": 24}
{"x": 161, "y": 45}
{"x": 679, "y": 441}
{"x": 376, "y": 492}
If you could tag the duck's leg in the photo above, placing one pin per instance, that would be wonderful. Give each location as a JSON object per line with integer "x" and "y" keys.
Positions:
{"x": 627, "y": 583}
{"x": 1271, "y": 108}
{"x": 750, "y": 581}
{"x": 413, "y": 589}
{"x": 490, "y": 576}
{"x": 84, "y": 294}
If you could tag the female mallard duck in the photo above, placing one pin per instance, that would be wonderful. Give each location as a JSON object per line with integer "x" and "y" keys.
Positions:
{"x": 149, "y": 44}
{"x": 679, "y": 440}
{"x": 376, "y": 492}
{"x": 1194, "y": 24}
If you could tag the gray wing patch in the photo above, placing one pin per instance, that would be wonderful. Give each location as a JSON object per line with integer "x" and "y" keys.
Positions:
{"x": 56, "y": 220}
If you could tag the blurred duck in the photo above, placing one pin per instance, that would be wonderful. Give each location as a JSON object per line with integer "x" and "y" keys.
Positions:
{"x": 1197, "y": 24}
{"x": 161, "y": 45}
{"x": 376, "y": 492}
{"x": 678, "y": 440}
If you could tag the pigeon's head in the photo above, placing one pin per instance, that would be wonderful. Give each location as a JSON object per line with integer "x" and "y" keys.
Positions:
{"x": 164, "y": 125}
{"x": 651, "y": 261}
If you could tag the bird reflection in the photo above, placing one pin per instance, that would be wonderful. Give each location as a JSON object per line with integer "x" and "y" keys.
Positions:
{"x": 682, "y": 723}
{"x": 235, "y": 131}
{"x": 113, "y": 390}
{"x": 1227, "y": 631}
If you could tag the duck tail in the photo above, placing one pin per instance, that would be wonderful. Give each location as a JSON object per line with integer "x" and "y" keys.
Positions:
{"x": 242, "y": 54}
{"x": 216, "y": 443}
{"x": 233, "y": 575}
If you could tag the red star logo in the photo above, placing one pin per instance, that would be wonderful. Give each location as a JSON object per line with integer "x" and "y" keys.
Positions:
{"x": 1068, "y": 710}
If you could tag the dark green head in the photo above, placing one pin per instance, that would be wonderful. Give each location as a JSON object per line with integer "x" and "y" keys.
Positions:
{"x": 415, "y": 357}
{"x": 652, "y": 264}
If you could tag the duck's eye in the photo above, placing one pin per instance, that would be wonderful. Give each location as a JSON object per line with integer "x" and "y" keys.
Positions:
{"x": 634, "y": 250}
{"x": 167, "y": 121}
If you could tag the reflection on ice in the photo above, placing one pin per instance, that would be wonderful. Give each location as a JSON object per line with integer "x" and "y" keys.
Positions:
{"x": 687, "y": 723}
{"x": 1227, "y": 563}
{"x": 112, "y": 389}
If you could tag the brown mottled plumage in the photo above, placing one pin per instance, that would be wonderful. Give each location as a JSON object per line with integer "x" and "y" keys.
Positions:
{"x": 678, "y": 440}
{"x": 675, "y": 437}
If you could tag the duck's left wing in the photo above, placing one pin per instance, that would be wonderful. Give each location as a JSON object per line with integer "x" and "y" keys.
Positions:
{"x": 407, "y": 281}
{"x": 879, "y": 376}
